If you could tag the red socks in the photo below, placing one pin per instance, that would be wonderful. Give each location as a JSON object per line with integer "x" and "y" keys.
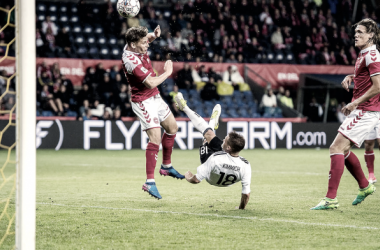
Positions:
{"x": 167, "y": 148}
{"x": 336, "y": 171}
{"x": 151, "y": 155}
{"x": 353, "y": 165}
{"x": 369, "y": 157}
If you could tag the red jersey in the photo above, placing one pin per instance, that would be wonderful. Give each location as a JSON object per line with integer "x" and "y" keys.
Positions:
{"x": 367, "y": 65}
{"x": 137, "y": 68}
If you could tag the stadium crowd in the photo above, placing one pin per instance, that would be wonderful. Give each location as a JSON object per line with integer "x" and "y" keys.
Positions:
{"x": 231, "y": 31}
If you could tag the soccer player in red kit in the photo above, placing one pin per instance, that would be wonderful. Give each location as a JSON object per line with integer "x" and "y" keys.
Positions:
{"x": 148, "y": 105}
{"x": 363, "y": 114}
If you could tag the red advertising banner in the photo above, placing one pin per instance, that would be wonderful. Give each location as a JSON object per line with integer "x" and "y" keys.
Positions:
{"x": 276, "y": 74}
{"x": 288, "y": 74}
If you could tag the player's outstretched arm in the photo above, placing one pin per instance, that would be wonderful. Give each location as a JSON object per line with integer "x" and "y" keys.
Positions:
{"x": 153, "y": 81}
{"x": 153, "y": 35}
{"x": 374, "y": 90}
{"x": 244, "y": 200}
{"x": 191, "y": 178}
{"x": 347, "y": 82}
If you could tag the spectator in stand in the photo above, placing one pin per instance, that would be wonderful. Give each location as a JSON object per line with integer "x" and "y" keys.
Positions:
{"x": 68, "y": 84}
{"x": 342, "y": 57}
{"x": 287, "y": 100}
{"x": 269, "y": 99}
{"x": 84, "y": 94}
{"x": 44, "y": 80}
{"x": 55, "y": 71}
{"x": 208, "y": 92}
{"x": 314, "y": 111}
{"x": 184, "y": 78}
{"x": 277, "y": 39}
{"x": 40, "y": 43}
{"x": 174, "y": 25}
{"x": 85, "y": 105}
{"x": 177, "y": 40}
{"x": 280, "y": 93}
{"x": 232, "y": 76}
{"x": 63, "y": 42}
{"x": 352, "y": 55}
{"x": 231, "y": 59}
{"x": 43, "y": 68}
{"x": 99, "y": 72}
{"x": 62, "y": 99}
{"x": 211, "y": 73}
{"x": 332, "y": 112}
{"x": 163, "y": 25}
{"x": 48, "y": 24}
{"x": 114, "y": 71}
{"x": 50, "y": 39}
{"x": 203, "y": 74}
{"x": 10, "y": 103}
{"x": 45, "y": 98}
{"x": 185, "y": 33}
{"x": 107, "y": 115}
{"x": 116, "y": 114}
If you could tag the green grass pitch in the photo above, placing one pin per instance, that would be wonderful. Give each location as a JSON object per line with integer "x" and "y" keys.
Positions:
{"x": 93, "y": 200}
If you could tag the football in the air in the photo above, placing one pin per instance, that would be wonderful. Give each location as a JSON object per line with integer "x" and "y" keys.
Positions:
{"x": 128, "y": 8}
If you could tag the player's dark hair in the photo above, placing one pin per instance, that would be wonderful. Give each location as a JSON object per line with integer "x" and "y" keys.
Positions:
{"x": 236, "y": 142}
{"x": 134, "y": 34}
{"x": 371, "y": 27}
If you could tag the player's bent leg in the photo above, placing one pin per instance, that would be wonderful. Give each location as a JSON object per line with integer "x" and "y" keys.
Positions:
{"x": 171, "y": 128}
{"x": 363, "y": 193}
{"x": 214, "y": 119}
{"x": 209, "y": 135}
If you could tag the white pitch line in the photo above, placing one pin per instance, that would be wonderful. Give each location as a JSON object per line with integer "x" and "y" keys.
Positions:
{"x": 218, "y": 216}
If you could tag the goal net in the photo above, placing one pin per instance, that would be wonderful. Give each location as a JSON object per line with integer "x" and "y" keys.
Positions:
{"x": 17, "y": 119}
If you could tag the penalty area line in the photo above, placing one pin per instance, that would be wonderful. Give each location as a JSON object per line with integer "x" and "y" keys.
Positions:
{"x": 217, "y": 216}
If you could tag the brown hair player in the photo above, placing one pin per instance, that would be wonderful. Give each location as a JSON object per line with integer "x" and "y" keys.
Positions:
{"x": 363, "y": 114}
{"x": 221, "y": 164}
{"x": 148, "y": 105}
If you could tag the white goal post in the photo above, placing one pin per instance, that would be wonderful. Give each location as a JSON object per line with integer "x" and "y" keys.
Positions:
{"x": 25, "y": 124}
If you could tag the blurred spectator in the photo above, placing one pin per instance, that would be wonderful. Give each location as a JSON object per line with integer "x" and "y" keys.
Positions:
{"x": 287, "y": 100}
{"x": 213, "y": 74}
{"x": 62, "y": 98}
{"x": 107, "y": 115}
{"x": 280, "y": 93}
{"x": 208, "y": 92}
{"x": 332, "y": 112}
{"x": 85, "y": 105}
{"x": 45, "y": 98}
{"x": 48, "y": 24}
{"x": 44, "y": 80}
{"x": 232, "y": 76}
{"x": 55, "y": 72}
{"x": 50, "y": 39}
{"x": 314, "y": 111}
{"x": 277, "y": 39}
{"x": 84, "y": 94}
{"x": 40, "y": 43}
{"x": 269, "y": 99}
{"x": 63, "y": 42}
{"x": 43, "y": 68}
{"x": 116, "y": 114}
{"x": 203, "y": 74}
{"x": 184, "y": 78}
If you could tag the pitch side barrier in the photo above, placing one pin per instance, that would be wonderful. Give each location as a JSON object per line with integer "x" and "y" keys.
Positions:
{"x": 119, "y": 135}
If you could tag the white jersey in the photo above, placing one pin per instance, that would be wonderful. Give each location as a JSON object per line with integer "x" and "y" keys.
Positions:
{"x": 223, "y": 170}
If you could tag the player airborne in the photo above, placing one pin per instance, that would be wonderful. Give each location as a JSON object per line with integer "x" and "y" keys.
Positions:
{"x": 363, "y": 114}
{"x": 148, "y": 105}
{"x": 221, "y": 164}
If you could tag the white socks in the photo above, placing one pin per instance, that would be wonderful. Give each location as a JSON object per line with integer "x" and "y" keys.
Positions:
{"x": 150, "y": 180}
{"x": 166, "y": 166}
{"x": 199, "y": 123}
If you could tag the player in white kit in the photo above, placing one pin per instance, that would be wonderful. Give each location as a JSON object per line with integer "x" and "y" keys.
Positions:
{"x": 221, "y": 164}
{"x": 363, "y": 114}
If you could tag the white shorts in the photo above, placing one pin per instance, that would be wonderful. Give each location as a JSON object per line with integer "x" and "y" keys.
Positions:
{"x": 151, "y": 112}
{"x": 375, "y": 133}
{"x": 357, "y": 126}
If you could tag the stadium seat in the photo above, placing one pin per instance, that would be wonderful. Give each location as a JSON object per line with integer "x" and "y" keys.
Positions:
{"x": 102, "y": 40}
{"x": 53, "y": 8}
{"x": 243, "y": 113}
{"x": 88, "y": 29}
{"x": 63, "y": 9}
{"x": 167, "y": 14}
{"x": 91, "y": 40}
{"x": 74, "y": 19}
{"x": 280, "y": 58}
{"x": 47, "y": 113}
{"x": 112, "y": 40}
{"x": 41, "y": 17}
{"x": 115, "y": 53}
{"x": 71, "y": 113}
{"x": 68, "y": 27}
{"x": 63, "y": 19}
{"x": 104, "y": 52}
{"x": 73, "y": 9}
{"x": 81, "y": 51}
{"x": 76, "y": 29}
{"x": 98, "y": 29}
{"x": 79, "y": 39}
{"x": 93, "y": 53}
{"x": 53, "y": 17}
{"x": 41, "y": 7}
